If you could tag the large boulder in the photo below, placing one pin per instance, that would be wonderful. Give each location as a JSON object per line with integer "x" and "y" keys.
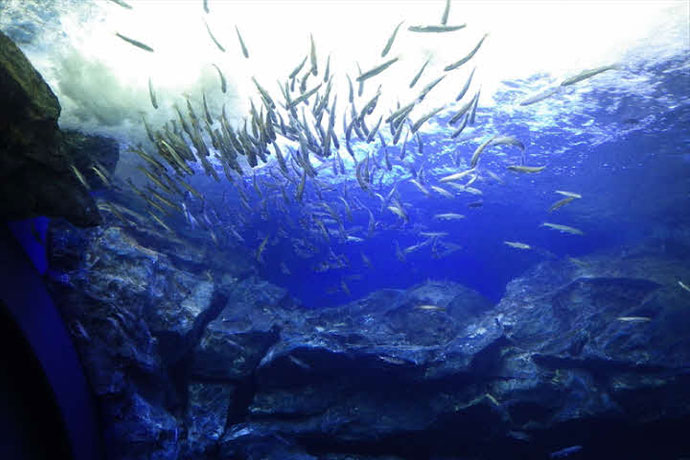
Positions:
{"x": 36, "y": 175}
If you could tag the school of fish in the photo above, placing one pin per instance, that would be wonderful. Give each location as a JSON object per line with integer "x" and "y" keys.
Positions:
{"x": 272, "y": 163}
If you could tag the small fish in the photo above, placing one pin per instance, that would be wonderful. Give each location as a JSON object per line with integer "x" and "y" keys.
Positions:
{"x": 136, "y": 43}
{"x": 683, "y": 285}
{"x": 464, "y": 89}
{"x": 436, "y": 29}
{"x": 518, "y": 245}
{"x": 587, "y": 74}
{"x": 559, "y": 204}
{"x": 457, "y": 64}
{"x": 391, "y": 360}
{"x": 446, "y": 11}
{"x": 430, "y": 308}
{"x": 260, "y": 250}
{"x": 538, "y": 97}
{"x": 298, "y": 362}
{"x": 389, "y": 43}
{"x": 563, "y": 228}
{"x": 152, "y": 95}
{"x": 491, "y": 398}
{"x": 220, "y": 47}
{"x": 244, "y": 47}
{"x": 525, "y": 169}
{"x": 456, "y": 176}
{"x": 419, "y": 186}
{"x": 297, "y": 69}
{"x": 441, "y": 191}
{"x": 634, "y": 319}
{"x": 429, "y": 87}
{"x": 449, "y": 216}
{"x": 475, "y": 156}
{"x": 223, "y": 82}
{"x": 419, "y": 73}
{"x": 377, "y": 70}
{"x": 122, "y": 4}
{"x": 101, "y": 175}
{"x": 312, "y": 55}
{"x": 565, "y": 452}
{"x": 564, "y": 193}
{"x": 206, "y": 7}
{"x": 80, "y": 177}
{"x": 424, "y": 118}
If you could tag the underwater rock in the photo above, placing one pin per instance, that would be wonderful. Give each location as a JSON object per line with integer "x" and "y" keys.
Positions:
{"x": 206, "y": 417}
{"x": 200, "y": 366}
{"x": 35, "y": 174}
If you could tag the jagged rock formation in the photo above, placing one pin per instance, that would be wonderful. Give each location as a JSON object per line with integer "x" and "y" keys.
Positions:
{"x": 35, "y": 157}
{"x": 188, "y": 364}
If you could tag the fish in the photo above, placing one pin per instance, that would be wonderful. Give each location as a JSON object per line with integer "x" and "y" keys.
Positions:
{"x": 398, "y": 210}
{"x": 159, "y": 221}
{"x": 421, "y": 188}
{"x": 365, "y": 260}
{"x": 433, "y": 234}
{"x": 312, "y": 54}
{"x": 441, "y": 191}
{"x": 518, "y": 245}
{"x": 456, "y": 176}
{"x": 300, "y": 188}
{"x": 80, "y": 177}
{"x": 538, "y": 97}
{"x": 508, "y": 140}
{"x": 634, "y": 319}
{"x": 391, "y": 360}
{"x": 377, "y": 70}
{"x": 464, "y": 89}
{"x": 297, "y": 69}
{"x": 563, "y": 228}
{"x": 559, "y": 204}
{"x": 462, "y": 111}
{"x": 101, "y": 174}
{"x": 298, "y": 362}
{"x": 430, "y": 308}
{"x": 587, "y": 74}
{"x": 424, "y": 118}
{"x": 261, "y": 249}
{"x": 473, "y": 112}
{"x": 429, "y": 87}
{"x": 491, "y": 398}
{"x": 213, "y": 37}
{"x": 399, "y": 254}
{"x": 223, "y": 82}
{"x": 244, "y": 47}
{"x": 683, "y": 285}
{"x": 475, "y": 156}
{"x": 152, "y": 95}
{"x": 306, "y": 95}
{"x": 446, "y": 11}
{"x": 449, "y": 216}
{"x": 206, "y": 7}
{"x": 571, "y": 194}
{"x": 419, "y": 73}
{"x": 471, "y": 54}
{"x": 344, "y": 287}
{"x": 435, "y": 28}
{"x": 565, "y": 452}
{"x": 525, "y": 169}
{"x": 122, "y": 4}
{"x": 389, "y": 43}
{"x": 136, "y": 43}
{"x": 327, "y": 73}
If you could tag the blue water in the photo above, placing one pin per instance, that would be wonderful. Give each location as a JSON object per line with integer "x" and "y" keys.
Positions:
{"x": 635, "y": 186}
